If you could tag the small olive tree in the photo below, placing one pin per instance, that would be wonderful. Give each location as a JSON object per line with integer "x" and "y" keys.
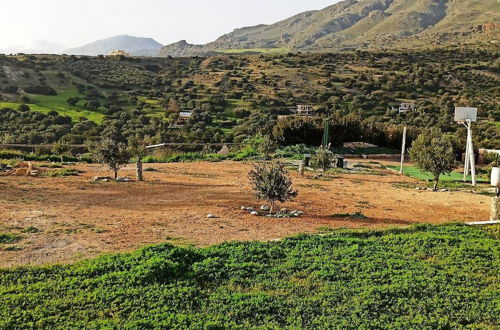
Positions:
{"x": 322, "y": 159}
{"x": 434, "y": 153}
{"x": 110, "y": 152}
{"x": 271, "y": 182}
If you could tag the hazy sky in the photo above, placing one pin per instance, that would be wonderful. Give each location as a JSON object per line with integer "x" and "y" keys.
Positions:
{"x": 73, "y": 23}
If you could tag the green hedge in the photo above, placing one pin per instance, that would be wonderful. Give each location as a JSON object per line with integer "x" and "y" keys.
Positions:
{"x": 433, "y": 277}
{"x": 246, "y": 152}
{"x": 15, "y": 154}
{"x": 297, "y": 151}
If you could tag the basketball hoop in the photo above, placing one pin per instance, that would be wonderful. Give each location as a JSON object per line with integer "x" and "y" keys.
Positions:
{"x": 466, "y": 116}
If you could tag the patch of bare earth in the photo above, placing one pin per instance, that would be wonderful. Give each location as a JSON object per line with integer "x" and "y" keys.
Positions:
{"x": 77, "y": 218}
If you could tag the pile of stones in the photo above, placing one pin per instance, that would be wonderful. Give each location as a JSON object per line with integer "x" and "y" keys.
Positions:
{"x": 264, "y": 211}
{"x": 109, "y": 179}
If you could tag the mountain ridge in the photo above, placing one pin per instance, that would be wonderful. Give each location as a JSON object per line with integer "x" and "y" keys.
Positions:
{"x": 137, "y": 46}
{"x": 362, "y": 24}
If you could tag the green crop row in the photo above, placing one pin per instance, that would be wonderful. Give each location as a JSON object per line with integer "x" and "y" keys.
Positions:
{"x": 422, "y": 277}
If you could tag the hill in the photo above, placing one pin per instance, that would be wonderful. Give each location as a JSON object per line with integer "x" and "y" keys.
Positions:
{"x": 236, "y": 97}
{"x": 364, "y": 24}
{"x": 133, "y": 45}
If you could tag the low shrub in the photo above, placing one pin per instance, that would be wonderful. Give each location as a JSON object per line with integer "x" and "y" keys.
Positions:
{"x": 7, "y": 238}
{"x": 11, "y": 154}
{"x": 62, "y": 172}
{"x": 16, "y": 154}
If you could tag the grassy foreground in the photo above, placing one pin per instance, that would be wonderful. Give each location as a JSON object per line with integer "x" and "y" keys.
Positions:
{"x": 421, "y": 277}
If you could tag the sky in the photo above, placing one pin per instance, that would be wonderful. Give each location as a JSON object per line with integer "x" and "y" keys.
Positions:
{"x": 74, "y": 23}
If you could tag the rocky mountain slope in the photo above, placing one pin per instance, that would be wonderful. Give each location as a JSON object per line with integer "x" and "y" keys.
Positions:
{"x": 364, "y": 24}
{"x": 133, "y": 45}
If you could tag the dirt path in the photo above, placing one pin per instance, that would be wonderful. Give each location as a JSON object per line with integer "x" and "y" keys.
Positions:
{"x": 78, "y": 219}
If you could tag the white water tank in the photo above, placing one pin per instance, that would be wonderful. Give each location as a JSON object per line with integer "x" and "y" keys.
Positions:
{"x": 495, "y": 177}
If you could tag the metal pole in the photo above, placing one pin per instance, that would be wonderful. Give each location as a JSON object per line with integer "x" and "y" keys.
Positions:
{"x": 466, "y": 158}
{"x": 471, "y": 153}
{"x": 403, "y": 150}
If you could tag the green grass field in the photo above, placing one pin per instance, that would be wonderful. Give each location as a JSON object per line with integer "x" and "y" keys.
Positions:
{"x": 74, "y": 113}
{"x": 414, "y": 172}
{"x": 46, "y": 103}
{"x": 422, "y": 277}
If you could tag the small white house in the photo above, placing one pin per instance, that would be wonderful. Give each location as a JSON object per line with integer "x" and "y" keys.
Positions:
{"x": 407, "y": 107}
{"x": 305, "y": 110}
{"x": 185, "y": 115}
{"x": 183, "y": 118}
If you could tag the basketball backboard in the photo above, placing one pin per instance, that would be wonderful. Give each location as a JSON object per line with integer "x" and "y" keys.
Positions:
{"x": 464, "y": 113}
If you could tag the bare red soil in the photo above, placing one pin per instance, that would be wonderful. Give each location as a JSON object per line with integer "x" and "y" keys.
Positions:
{"x": 78, "y": 218}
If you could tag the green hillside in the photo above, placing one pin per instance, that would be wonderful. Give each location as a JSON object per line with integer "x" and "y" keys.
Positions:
{"x": 236, "y": 96}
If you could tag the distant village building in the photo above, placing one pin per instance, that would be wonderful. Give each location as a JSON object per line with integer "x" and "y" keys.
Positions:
{"x": 185, "y": 115}
{"x": 301, "y": 110}
{"x": 305, "y": 110}
{"x": 406, "y": 107}
{"x": 119, "y": 52}
{"x": 183, "y": 118}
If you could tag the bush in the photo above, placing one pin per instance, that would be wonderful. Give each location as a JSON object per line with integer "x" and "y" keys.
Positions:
{"x": 41, "y": 90}
{"x": 322, "y": 159}
{"x": 7, "y": 238}
{"x": 11, "y": 154}
{"x": 60, "y": 173}
{"x": 296, "y": 152}
{"x": 16, "y": 154}
{"x": 492, "y": 159}
{"x": 271, "y": 182}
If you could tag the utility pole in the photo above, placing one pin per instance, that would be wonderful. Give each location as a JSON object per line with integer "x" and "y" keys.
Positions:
{"x": 403, "y": 151}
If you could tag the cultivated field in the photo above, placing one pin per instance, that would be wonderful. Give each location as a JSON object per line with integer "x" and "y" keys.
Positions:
{"x": 52, "y": 220}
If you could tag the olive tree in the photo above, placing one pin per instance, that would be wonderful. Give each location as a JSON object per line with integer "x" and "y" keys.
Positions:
{"x": 433, "y": 152}
{"x": 271, "y": 182}
{"x": 110, "y": 152}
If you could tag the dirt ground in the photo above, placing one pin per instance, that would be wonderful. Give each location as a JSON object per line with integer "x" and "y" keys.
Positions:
{"x": 78, "y": 218}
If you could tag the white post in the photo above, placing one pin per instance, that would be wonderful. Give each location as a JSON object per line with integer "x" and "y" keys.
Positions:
{"x": 471, "y": 153}
{"x": 403, "y": 150}
{"x": 466, "y": 158}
